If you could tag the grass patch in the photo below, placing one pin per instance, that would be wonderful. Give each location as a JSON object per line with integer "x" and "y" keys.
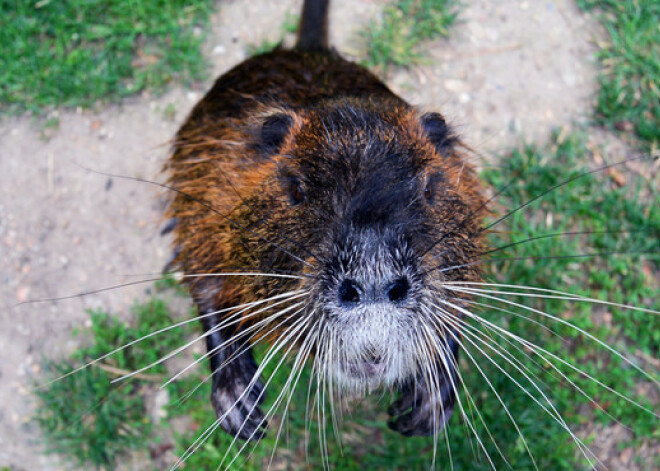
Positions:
{"x": 623, "y": 223}
{"x": 629, "y": 97}
{"x": 87, "y": 418}
{"x": 396, "y": 39}
{"x": 75, "y": 52}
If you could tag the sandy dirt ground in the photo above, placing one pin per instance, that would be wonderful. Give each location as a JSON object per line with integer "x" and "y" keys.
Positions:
{"x": 511, "y": 68}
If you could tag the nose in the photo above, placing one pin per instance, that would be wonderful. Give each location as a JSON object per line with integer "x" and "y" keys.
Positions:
{"x": 351, "y": 293}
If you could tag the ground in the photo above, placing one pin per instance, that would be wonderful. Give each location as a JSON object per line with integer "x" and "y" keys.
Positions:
{"x": 511, "y": 70}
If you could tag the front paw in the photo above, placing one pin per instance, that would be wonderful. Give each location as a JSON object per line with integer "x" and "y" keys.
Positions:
{"x": 423, "y": 411}
{"x": 238, "y": 411}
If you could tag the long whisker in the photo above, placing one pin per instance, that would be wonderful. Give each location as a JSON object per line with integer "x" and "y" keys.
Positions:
{"x": 441, "y": 348}
{"x": 560, "y": 294}
{"x": 428, "y": 375}
{"x": 165, "y": 329}
{"x": 88, "y": 292}
{"x": 536, "y": 348}
{"x": 235, "y": 355}
{"x": 300, "y": 329}
{"x": 154, "y": 277}
{"x": 556, "y": 235}
{"x": 550, "y": 410}
{"x": 561, "y": 184}
{"x": 568, "y": 324}
{"x": 551, "y": 365}
{"x": 246, "y": 273}
{"x": 440, "y": 269}
{"x": 538, "y": 351}
{"x": 269, "y": 356}
{"x": 235, "y": 319}
{"x": 472, "y": 214}
{"x": 258, "y": 326}
{"x": 445, "y": 317}
{"x": 502, "y": 352}
{"x": 207, "y": 206}
{"x": 300, "y": 364}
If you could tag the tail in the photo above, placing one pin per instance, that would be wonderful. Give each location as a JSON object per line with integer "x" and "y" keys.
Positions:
{"x": 313, "y": 28}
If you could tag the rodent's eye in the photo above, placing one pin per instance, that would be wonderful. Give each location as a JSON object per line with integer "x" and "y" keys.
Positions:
{"x": 296, "y": 192}
{"x": 431, "y": 187}
{"x": 428, "y": 193}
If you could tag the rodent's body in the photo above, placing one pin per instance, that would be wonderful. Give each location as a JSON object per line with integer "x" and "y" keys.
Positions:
{"x": 307, "y": 170}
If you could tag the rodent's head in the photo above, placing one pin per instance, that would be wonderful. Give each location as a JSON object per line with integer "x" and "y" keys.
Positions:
{"x": 380, "y": 207}
{"x": 376, "y": 206}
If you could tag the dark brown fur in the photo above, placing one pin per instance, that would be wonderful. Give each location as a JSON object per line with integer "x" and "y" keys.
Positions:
{"x": 247, "y": 147}
{"x": 217, "y": 159}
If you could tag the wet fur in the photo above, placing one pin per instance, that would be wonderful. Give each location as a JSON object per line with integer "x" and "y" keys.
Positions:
{"x": 313, "y": 119}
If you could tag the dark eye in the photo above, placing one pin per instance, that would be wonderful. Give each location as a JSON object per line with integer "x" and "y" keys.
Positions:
{"x": 428, "y": 192}
{"x": 296, "y": 193}
{"x": 431, "y": 187}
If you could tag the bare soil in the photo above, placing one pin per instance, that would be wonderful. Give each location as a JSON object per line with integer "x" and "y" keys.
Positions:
{"x": 510, "y": 69}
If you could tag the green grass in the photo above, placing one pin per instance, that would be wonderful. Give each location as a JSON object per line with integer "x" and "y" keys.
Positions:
{"x": 629, "y": 97}
{"x": 76, "y": 52}
{"x": 396, "y": 39}
{"x": 91, "y": 420}
{"x": 613, "y": 219}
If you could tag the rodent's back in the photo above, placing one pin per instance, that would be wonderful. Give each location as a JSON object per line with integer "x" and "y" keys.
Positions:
{"x": 293, "y": 78}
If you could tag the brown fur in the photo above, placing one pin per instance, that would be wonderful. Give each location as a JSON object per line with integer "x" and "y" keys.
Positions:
{"x": 216, "y": 162}
{"x": 290, "y": 165}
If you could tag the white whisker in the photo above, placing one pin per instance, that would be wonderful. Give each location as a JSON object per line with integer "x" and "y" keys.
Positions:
{"x": 160, "y": 331}
{"x": 576, "y": 328}
{"x": 225, "y": 323}
{"x": 269, "y": 356}
{"x": 300, "y": 328}
{"x": 554, "y": 294}
{"x": 258, "y": 326}
{"x": 551, "y": 411}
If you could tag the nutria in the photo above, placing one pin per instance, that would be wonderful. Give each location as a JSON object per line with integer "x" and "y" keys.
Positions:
{"x": 330, "y": 212}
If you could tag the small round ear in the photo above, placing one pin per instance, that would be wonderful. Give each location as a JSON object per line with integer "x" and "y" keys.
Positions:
{"x": 438, "y": 131}
{"x": 273, "y": 131}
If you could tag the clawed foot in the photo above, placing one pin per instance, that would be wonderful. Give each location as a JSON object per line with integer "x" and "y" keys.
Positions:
{"x": 238, "y": 410}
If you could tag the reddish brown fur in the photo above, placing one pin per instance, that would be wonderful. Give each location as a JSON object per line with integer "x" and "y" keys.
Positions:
{"x": 220, "y": 172}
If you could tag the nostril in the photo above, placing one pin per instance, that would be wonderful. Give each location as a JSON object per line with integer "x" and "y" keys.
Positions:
{"x": 398, "y": 291}
{"x": 349, "y": 292}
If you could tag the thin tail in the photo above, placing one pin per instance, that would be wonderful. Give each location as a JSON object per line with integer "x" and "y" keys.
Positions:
{"x": 313, "y": 28}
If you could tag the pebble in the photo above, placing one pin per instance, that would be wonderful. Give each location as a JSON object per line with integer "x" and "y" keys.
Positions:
{"x": 161, "y": 400}
{"x": 219, "y": 50}
{"x": 22, "y": 293}
{"x": 625, "y": 455}
{"x": 455, "y": 86}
